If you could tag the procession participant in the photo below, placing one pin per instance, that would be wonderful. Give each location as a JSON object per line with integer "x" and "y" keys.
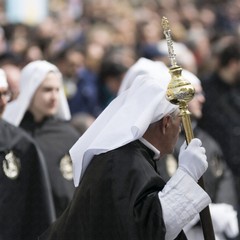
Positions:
{"x": 26, "y": 203}
{"x": 120, "y": 194}
{"x": 218, "y": 178}
{"x": 42, "y": 110}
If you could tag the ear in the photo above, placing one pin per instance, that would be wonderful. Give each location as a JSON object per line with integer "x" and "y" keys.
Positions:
{"x": 165, "y": 124}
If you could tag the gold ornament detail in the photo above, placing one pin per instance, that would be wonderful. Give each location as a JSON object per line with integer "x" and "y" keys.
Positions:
{"x": 66, "y": 167}
{"x": 11, "y": 166}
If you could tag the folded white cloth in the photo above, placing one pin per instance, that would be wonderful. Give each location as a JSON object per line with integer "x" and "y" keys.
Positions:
{"x": 224, "y": 219}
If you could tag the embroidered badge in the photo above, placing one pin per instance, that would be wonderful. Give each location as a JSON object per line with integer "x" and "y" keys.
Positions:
{"x": 216, "y": 166}
{"x": 66, "y": 167}
{"x": 11, "y": 166}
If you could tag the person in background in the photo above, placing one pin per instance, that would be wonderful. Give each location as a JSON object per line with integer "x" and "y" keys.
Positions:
{"x": 221, "y": 112}
{"x": 26, "y": 202}
{"x": 82, "y": 121}
{"x": 42, "y": 110}
{"x": 219, "y": 179}
{"x": 13, "y": 75}
{"x": 112, "y": 70}
{"x": 120, "y": 195}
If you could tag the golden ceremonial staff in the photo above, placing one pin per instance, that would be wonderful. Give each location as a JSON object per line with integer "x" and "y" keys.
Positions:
{"x": 180, "y": 92}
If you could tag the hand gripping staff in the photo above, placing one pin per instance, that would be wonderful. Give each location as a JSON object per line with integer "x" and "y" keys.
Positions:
{"x": 180, "y": 92}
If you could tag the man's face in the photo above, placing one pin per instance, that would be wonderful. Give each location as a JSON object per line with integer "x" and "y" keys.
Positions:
{"x": 46, "y": 99}
{"x": 196, "y": 104}
{"x": 4, "y": 98}
{"x": 171, "y": 127}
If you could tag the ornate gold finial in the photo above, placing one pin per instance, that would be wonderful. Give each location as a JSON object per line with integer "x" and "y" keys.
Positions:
{"x": 179, "y": 91}
{"x": 167, "y": 33}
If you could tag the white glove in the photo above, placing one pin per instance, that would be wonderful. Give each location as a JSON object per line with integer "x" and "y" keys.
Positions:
{"x": 224, "y": 219}
{"x": 192, "y": 159}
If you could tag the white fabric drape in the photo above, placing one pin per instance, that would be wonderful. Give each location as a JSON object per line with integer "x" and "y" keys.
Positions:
{"x": 32, "y": 76}
{"x": 125, "y": 119}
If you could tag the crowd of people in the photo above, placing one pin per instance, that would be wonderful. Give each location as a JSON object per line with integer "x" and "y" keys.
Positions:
{"x": 73, "y": 77}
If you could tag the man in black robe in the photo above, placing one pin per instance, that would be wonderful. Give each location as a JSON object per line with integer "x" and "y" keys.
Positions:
{"x": 26, "y": 203}
{"x": 120, "y": 194}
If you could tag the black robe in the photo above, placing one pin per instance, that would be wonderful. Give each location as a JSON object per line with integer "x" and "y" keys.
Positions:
{"x": 55, "y": 138}
{"x": 26, "y": 203}
{"x": 117, "y": 199}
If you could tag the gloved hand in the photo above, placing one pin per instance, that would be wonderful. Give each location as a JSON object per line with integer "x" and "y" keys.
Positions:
{"x": 224, "y": 219}
{"x": 192, "y": 159}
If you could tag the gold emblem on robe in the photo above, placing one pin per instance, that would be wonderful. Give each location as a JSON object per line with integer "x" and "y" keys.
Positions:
{"x": 11, "y": 166}
{"x": 66, "y": 167}
{"x": 216, "y": 167}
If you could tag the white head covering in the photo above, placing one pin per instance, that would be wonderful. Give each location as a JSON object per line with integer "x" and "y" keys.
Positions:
{"x": 32, "y": 75}
{"x": 156, "y": 69}
{"x": 125, "y": 119}
{"x": 3, "y": 79}
{"x": 145, "y": 66}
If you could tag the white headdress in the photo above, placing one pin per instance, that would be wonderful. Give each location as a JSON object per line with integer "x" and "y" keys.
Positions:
{"x": 125, "y": 119}
{"x": 3, "y": 79}
{"x": 32, "y": 76}
{"x": 156, "y": 69}
{"x": 145, "y": 66}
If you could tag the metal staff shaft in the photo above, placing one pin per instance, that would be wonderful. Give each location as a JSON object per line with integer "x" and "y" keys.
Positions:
{"x": 205, "y": 216}
{"x": 180, "y": 92}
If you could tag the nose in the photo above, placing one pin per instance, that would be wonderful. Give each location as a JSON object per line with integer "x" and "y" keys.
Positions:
{"x": 200, "y": 96}
{"x": 55, "y": 95}
{"x": 5, "y": 97}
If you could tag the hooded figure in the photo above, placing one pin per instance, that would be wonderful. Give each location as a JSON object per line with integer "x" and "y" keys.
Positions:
{"x": 218, "y": 178}
{"x": 42, "y": 110}
{"x": 26, "y": 203}
{"x": 120, "y": 194}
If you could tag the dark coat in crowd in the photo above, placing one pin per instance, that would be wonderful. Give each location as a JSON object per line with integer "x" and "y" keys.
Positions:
{"x": 221, "y": 114}
{"x": 55, "y": 137}
{"x": 26, "y": 203}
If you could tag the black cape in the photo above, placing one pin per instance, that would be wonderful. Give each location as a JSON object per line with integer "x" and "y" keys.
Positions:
{"x": 26, "y": 204}
{"x": 55, "y": 138}
{"x": 117, "y": 199}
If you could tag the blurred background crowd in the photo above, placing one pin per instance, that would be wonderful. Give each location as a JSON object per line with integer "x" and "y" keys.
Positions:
{"x": 95, "y": 42}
